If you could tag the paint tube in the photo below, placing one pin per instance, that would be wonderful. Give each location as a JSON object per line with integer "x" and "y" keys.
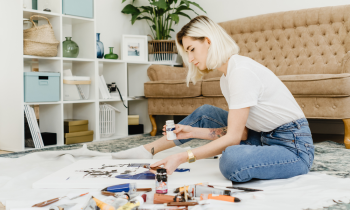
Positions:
{"x": 219, "y": 197}
{"x": 180, "y": 189}
{"x": 127, "y": 187}
{"x": 197, "y": 190}
{"x": 116, "y": 202}
{"x": 137, "y": 201}
{"x": 161, "y": 198}
{"x": 102, "y": 205}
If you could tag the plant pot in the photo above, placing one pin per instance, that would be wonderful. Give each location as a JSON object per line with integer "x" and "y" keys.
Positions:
{"x": 162, "y": 50}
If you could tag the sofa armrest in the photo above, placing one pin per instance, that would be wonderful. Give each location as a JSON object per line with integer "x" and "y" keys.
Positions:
{"x": 162, "y": 72}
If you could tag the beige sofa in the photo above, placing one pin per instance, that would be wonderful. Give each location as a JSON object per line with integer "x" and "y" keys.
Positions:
{"x": 308, "y": 50}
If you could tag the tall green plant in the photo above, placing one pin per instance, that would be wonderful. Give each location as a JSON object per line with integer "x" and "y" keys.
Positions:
{"x": 160, "y": 15}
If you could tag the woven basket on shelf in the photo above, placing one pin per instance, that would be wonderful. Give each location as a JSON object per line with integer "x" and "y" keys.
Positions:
{"x": 162, "y": 50}
{"x": 40, "y": 40}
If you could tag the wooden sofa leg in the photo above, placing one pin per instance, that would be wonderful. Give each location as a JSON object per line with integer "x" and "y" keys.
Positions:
{"x": 154, "y": 125}
{"x": 347, "y": 133}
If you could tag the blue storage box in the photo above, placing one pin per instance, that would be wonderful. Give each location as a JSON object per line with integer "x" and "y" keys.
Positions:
{"x": 81, "y": 8}
{"x": 41, "y": 86}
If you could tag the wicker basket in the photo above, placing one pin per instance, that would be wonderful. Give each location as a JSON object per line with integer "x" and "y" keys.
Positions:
{"x": 40, "y": 40}
{"x": 162, "y": 50}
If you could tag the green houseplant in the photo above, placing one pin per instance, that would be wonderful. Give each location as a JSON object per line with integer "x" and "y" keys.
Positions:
{"x": 160, "y": 15}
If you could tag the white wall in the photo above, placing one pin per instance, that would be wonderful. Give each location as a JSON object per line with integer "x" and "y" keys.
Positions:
{"x": 113, "y": 26}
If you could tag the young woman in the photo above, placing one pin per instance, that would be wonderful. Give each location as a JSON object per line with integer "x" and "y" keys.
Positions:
{"x": 264, "y": 135}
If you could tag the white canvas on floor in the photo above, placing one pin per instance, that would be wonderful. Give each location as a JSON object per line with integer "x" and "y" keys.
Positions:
{"x": 69, "y": 178}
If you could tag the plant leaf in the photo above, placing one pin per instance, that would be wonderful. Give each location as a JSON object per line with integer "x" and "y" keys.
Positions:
{"x": 154, "y": 27}
{"x": 182, "y": 7}
{"x": 144, "y": 18}
{"x": 185, "y": 2}
{"x": 171, "y": 29}
{"x": 197, "y": 5}
{"x": 184, "y": 14}
{"x": 130, "y": 9}
{"x": 175, "y": 18}
{"x": 123, "y": 1}
{"x": 134, "y": 17}
{"x": 160, "y": 4}
{"x": 147, "y": 8}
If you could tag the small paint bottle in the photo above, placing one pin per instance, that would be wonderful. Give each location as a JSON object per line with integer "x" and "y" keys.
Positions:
{"x": 170, "y": 127}
{"x": 161, "y": 181}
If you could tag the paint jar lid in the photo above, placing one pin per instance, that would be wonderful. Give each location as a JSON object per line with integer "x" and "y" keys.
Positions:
{"x": 161, "y": 170}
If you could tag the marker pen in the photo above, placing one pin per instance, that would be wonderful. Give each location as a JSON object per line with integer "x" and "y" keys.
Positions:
{"x": 219, "y": 197}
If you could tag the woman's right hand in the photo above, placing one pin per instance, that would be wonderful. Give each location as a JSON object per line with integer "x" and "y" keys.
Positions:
{"x": 181, "y": 131}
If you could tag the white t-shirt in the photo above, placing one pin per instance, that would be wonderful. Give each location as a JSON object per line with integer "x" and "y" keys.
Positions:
{"x": 250, "y": 84}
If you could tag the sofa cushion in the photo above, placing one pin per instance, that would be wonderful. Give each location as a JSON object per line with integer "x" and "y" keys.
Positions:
{"x": 172, "y": 89}
{"x": 325, "y": 85}
{"x": 211, "y": 87}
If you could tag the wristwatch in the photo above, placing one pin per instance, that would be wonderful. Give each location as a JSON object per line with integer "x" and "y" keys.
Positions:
{"x": 191, "y": 158}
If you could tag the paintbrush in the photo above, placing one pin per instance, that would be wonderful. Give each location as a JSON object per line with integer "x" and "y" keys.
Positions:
{"x": 238, "y": 188}
{"x": 48, "y": 202}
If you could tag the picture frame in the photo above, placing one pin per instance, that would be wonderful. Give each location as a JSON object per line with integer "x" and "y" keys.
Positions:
{"x": 134, "y": 48}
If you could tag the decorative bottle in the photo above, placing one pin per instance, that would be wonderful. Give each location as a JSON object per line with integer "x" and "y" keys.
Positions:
{"x": 99, "y": 47}
{"x": 111, "y": 55}
{"x": 70, "y": 48}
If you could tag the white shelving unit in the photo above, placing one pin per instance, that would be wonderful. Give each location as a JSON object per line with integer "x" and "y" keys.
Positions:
{"x": 129, "y": 77}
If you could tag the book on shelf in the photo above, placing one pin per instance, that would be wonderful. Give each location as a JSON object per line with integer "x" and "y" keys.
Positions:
{"x": 103, "y": 88}
{"x": 33, "y": 126}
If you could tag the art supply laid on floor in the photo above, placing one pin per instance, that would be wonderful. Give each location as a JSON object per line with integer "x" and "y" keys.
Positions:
{"x": 182, "y": 204}
{"x": 135, "y": 202}
{"x": 170, "y": 127}
{"x": 197, "y": 190}
{"x": 219, "y": 197}
{"x": 161, "y": 181}
{"x": 70, "y": 196}
{"x": 238, "y": 188}
{"x": 62, "y": 206}
{"x": 161, "y": 198}
{"x": 180, "y": 189}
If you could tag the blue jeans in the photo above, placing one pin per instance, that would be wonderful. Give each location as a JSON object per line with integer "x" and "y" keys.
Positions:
{"x": 284, "y": 152}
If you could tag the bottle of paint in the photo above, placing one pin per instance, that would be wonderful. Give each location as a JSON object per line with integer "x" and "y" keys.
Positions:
{"x": 219, "y": 197}
{"x": 161, "y": 181}
{"x": 170, "y": 127}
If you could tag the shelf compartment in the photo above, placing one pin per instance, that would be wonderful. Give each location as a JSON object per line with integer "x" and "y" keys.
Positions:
{"x": 45, "y": 65}
{"x": 140, "y": 107}
{"x": 29, "y": 12}
{"x": 83, "y": 111}
{"x": 121, "y": 119}
{"x": 82, "y": 32}
{"x": 82, "y": 68}
{"x": 56, "y": 26}
{"x": 114, "y": 72}
{"x": 50, "y": 120}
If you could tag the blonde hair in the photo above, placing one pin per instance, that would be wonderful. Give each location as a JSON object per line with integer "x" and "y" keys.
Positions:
{"x": 222, "y": 46}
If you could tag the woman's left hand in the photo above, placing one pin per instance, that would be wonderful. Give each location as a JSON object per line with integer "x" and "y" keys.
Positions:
{"x": 172, "y": 162}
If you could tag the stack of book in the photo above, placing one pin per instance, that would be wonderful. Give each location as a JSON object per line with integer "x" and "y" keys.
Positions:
{"x": 33, "y": 126}
{"x": 77, "y": 131}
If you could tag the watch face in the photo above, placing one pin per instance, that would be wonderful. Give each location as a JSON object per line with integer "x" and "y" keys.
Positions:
{"x": 191, "y": 160}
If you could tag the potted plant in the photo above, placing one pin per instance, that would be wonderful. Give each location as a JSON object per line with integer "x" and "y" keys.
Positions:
{"x": 160, "y": 16}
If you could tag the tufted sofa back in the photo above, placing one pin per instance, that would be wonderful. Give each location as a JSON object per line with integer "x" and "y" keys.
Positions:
{"x": 309, "y": 41}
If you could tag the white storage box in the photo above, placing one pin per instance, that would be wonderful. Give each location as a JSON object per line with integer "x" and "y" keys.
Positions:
{"x": 76, "y": 88}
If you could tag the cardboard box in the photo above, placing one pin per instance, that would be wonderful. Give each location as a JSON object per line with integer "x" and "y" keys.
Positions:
{"x": 133, "y": 119}
{"x": 74, "y": 125}
{"x": 78, "y": 137}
